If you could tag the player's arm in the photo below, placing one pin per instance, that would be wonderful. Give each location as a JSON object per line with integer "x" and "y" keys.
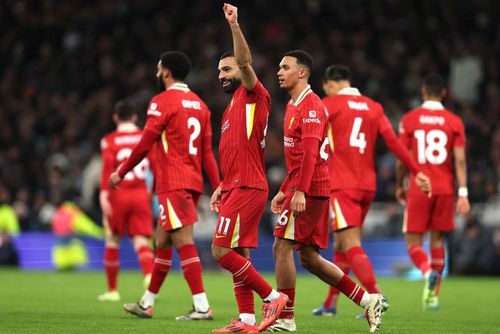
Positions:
{"x": 208, "y": 158}
{"x": 242, "y": 53}
{"x": 401, "y": 173}
{"x": 392, "y": 142}
{"x": 279, "y": 198}
{"x": 463, "y": 205}
{"x": 107, "y": 169}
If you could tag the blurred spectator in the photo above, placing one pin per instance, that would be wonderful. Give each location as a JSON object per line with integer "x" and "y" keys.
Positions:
{"x": 9, "y": 226}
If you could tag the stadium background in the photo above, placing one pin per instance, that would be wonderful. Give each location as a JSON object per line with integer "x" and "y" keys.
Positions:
{"x": 64, "y": 64}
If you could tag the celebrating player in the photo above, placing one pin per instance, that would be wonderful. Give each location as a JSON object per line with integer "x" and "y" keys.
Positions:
{"x": 302, "y": 201}
{"x": 178, "y": 131}
{"x": 127, "y": 210}
{"x": 354, "y": 123}
{"x": 242, "y": 196}
{"x": 434, "y": 135}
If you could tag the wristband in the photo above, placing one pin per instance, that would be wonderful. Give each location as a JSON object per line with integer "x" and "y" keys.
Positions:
{"x": 463, "y": 192}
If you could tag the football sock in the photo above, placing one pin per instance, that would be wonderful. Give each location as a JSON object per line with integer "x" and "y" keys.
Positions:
{"x": 112, "y": 267}
{"x": 353, "y": 291}
{"x": 148, "y": 299}
{"x": 244, "y": 298}
{"x": 161, "y": 266}
{"x": 200, "y": 302}
{"x": 288, "y": 310}
{"x": 191, "y": 268}
{"x": 419, "y": 258}
{"x": 248, "y": 318}
{"x": 340, "y": 260}
{"x": 362, "y": 268}
{"x": 272, "y": 296}
{"x": 145, "y": 257}
{"x": 243, "y": 270}
{"x": 437, "y": 264}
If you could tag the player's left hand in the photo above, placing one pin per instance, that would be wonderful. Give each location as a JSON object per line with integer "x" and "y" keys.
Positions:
{"x": 114, "y": 180}
{"x": 231, "y": 13}
{"x": 423, "y": 183}
{"x": 463, "y": 205}
{"x": 401, "y": 195}
{"x": 215, "y": 200}
{"x": 277, "y": 202}
{"x": 298, "y": 203}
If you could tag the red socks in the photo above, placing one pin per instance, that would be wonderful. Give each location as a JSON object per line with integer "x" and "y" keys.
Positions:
{"x": 362, "y": 268}
{"x": 145, "y": 257}
{"x": 244, "y": 296}
{"x": 419, "y": 258}
{"x": 191, "y": 268}
{"x": 340, "y": 260}
{"x": 437, "y": 263}
{"x": 161, "y": 266}
{"x": 353, "y": 291}
{"x": 288, "y": 310}
{"x": 112, "y": 267}
{"x": 243, "y": 271}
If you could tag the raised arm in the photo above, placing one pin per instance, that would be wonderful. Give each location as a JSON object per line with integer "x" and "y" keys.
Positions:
{"x": 241, "y": 50}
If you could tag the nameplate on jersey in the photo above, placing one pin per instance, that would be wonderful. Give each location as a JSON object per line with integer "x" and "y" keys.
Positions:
{"x": 426, "y": 119}
{"x": 191, "y": 104}
{"x": 126, "y": 140}
{"x": 357, "y": 105}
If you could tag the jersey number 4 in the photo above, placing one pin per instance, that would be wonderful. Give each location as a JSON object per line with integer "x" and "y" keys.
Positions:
{"x": 357, "y": 138}
{"x": 431, "y": 146}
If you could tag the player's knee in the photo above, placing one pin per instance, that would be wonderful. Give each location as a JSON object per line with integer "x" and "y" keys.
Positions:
{"x": 219, "y": 252}
{"x": 307, "y": 261}
{"x": 280, "y": 247}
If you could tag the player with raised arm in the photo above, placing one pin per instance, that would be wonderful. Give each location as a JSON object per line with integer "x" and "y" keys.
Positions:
{"x": 436, "y": 138}
{"x": 354, "y": 123}
{"x": 178, "y": 132}
{"x": 241, "y": 198}
{"x": 128, "y": 209}
{"x": 302, "y": 201}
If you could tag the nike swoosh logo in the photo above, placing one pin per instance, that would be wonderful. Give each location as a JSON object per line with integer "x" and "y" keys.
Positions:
{"x": 219, "y": 236}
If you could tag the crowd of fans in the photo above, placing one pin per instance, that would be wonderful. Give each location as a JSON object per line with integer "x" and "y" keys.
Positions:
{"x": 65, "y": 63}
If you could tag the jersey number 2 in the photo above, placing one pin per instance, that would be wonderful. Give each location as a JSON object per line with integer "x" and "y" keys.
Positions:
{"x": 194, "y": 123}
{"x": 357, "y": 138}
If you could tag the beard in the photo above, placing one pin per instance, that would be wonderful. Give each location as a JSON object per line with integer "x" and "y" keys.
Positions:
{"x": 160, "y": 85}
{"x": 234, "y": 84}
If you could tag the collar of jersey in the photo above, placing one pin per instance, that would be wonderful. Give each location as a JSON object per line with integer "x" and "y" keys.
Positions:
{"x": 126, "y": 127}
{"x": 432, "y": 105}
{"x": 349, "y": 91}
{"x": 302, "y": 95}
{"x": 179, "y": 86}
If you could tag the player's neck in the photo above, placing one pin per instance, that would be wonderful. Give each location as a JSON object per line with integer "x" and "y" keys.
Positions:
{"x": 296, "y": 91}
{"x": 126, "y": 127}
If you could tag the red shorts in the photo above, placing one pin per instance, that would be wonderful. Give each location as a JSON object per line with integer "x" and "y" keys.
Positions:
{"x": 177, "y": 208}
{"x": 239, "y": 216}
{"x": 131, "y": 213}
{"x": 423, "y": 214}
{"x": 349, "y": 207}
{"x": 310, "y": 228}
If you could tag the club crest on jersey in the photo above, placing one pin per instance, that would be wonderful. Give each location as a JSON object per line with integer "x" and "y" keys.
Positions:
{"x": 152, "y": 110}
{"x": 225, "y": 126}
{"x": 312, "y": 114}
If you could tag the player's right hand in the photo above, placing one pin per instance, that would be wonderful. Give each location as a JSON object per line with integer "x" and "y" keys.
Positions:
{"x": 401, "y": 195}
{"x": 463, "y": 205}
{"x": 215, "y": 200}
{"x": 277, "y": 202}
{"x": 423, "y": 182}
{"x": 230, "y": 12}
{"x": 114, "y": 180}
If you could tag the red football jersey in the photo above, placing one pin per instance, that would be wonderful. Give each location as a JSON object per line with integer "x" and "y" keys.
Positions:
{"x": 183, "y": 120}
{"x": 354, "y": 123}
{"x": 115, "y": 149}
{"x": 431, "y": 132}
{"x": 306, "y": 117}
{"x": 243, "y": 133}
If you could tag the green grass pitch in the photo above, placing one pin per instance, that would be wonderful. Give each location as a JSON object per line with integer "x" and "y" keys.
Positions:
{"x": 48, "y": 302}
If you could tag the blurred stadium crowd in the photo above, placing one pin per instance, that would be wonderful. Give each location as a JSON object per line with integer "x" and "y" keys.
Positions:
{"x": 65, "y": 63}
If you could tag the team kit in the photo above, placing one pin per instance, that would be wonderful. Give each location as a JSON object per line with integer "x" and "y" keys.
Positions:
{"x": 329, "y": 149}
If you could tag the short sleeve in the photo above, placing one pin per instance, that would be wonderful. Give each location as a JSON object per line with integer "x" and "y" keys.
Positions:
{"x": 258, "y": 92}
{"x": 313, "y": 121}
{"x": 157, "y": 115}
{"x": 404, "y": 135}
{"x": 459, "y": 135}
